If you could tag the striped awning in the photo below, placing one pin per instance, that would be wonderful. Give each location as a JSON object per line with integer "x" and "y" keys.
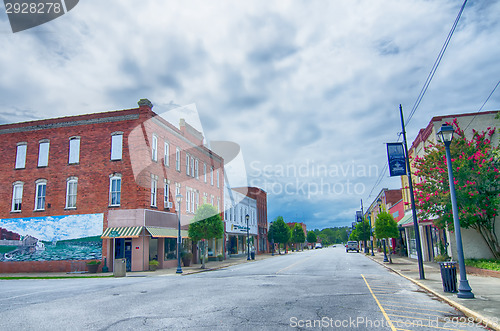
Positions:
{"x": 407, "y": 220}
{"x": 122, "y": 232}
{"x": 165, "y": 232}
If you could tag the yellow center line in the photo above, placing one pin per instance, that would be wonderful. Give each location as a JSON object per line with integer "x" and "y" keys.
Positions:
{"x": 293, "y": 265}
{"x": 379, "y": 305}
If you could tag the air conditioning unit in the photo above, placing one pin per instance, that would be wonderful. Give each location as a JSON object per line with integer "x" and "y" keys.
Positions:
{"x": 169, "y": 205}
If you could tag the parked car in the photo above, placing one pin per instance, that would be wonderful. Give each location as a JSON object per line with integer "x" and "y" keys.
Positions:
{"x": 352, "y": 246}
{"x": 318, "y": 245}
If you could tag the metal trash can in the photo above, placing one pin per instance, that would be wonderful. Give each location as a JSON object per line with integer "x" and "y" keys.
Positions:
{"x": 120, "y": 268}
{"x": 252, "y": 255}
{"x": 449, "y": 276}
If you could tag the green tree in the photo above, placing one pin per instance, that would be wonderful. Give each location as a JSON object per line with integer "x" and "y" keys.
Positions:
{"x": 476, "y": 164}
{"x": 207, "y": 224}
{"x": 363, "y": 232}
{"x": 386, "y": 227}
{"x": 281, "y": 233}
{"x": 311, "y": 237}
{"x": 298, "y": 236}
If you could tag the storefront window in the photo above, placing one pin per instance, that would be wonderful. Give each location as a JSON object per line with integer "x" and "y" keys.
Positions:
{"x": 170, "y": 248}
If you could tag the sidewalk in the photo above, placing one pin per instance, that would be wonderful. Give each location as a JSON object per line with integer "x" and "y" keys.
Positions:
{"x": 194, "y": 268}
{"x": 485, "y": 307}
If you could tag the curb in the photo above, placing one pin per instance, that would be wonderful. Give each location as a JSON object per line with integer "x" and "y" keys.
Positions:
{"x": 478, "y": 318}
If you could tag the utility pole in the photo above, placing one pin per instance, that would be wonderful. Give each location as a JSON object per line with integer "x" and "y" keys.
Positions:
{"x": 410, "y": 183}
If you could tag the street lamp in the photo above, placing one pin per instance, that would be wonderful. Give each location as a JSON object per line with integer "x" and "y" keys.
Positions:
{"x": 445, "y": 135}
{"x": 248, "y": 238}
{"x": 178, "y": 198}
{"x": 371, "y": 231}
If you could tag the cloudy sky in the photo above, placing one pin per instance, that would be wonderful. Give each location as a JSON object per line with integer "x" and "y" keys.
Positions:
{"x": 310, "y": 90}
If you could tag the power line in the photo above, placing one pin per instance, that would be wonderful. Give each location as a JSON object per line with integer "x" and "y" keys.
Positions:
{"x": 484, "y": 103}
{"x": 435, "y": 66}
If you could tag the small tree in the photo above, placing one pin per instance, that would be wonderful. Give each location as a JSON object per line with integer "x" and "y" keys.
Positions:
{"x": 386, "y": 227}
{"x": 281, "y": 232}
{"x": 298, "y": 236}
{"x": 311, "y": 237}
{"x": 363, "y": 232}
{"x": 207, "y": 224}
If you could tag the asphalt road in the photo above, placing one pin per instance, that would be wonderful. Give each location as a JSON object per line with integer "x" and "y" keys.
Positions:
{"x": 321, "y": 289}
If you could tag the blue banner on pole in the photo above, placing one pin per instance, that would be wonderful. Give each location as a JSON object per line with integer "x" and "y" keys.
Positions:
{"x": 396, "y": 157}
{"x": 359, "y": 216}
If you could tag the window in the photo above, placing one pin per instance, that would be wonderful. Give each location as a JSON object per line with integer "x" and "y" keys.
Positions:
{"x": 115, "y": 187}
{"x": 71, "y": 186}
{"x": 188, "y": 200}
{"x": 197, "y": 200}
{"x": 212, "y": 177}
{"x": 74, "y": 150}
{"x": 21, "y": 155}
{"x": 154, "y": 190}
{"x": 177, "y": 159}
{"x": 205, "y": 171}
{"x": 43, "y": 153}
{"x": 212, "y": 200}
{"x": 166, "y": 157}
{"x": 196, "y": 169}
{"x": 192, "y": 201}
{"x": 116, "y": 145}
{"x": 154, "y": 148}
{"x": 218, "y": 205}
{"x": 187, "y": 164}
{"x": 41, "y": 190}
{"x": 192, "y": 166}
{"x": 218, "y": 183}
{"x": 166, "y": 194}
{"x": 17, "y": 196}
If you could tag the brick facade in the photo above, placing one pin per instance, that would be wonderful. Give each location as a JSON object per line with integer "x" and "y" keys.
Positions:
{"x": 136, "y": 168}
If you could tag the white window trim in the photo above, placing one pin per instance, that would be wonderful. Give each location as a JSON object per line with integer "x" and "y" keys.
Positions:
{"x": 111, "y": 178}
{"x": 166, "y": 159}
{"x": 117, "y": 151}
{"x": 154, "y": 148}
{"x": 43, "y": 159}
{"x": 21, "y": 151}
{"x": 187, "y": 164}
{"x": 40, "y": 182}
{"x": 205, "y": 171}
{"x": 154, "y": 191}
{"x": 166, "y": 193}
{"x": 177, "y": 159}
{"x": 15, "y": 185}
{"x": 75, "y": 151}
{"x": 218, "y": 181}
{"x": 196, "y": 166}
{"x": 192, "y": 166}
{"x": 188, "y": 204}
{"x": 69, "y": 181}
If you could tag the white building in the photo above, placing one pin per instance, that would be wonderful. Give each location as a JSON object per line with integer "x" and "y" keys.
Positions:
{"x": 236, "y": 207}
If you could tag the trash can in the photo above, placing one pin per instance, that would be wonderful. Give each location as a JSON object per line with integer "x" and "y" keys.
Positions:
{"x": 252, "y": 255}
{"x": 449, "y": 276}
{"x": 120, "y": 268}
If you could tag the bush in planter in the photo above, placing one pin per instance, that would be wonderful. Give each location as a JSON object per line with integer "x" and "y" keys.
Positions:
{"x": 186, "y": 258}
{"x": 220, "y": 257}
{"x": 92, "y": 266}
{"x": 153, "y": 265}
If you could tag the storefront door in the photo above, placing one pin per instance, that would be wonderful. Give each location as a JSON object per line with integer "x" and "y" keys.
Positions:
{"x": 123, "y": 249}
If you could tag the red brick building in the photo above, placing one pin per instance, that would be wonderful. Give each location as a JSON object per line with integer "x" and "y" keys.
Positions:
{"x": 261, "y": 197}
{"x": 78, "y": 184}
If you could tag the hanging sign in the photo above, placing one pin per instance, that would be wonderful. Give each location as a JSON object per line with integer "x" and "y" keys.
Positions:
{"x": 396, "y": 157}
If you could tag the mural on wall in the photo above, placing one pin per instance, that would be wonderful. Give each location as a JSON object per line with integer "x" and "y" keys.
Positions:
{"x": 71, "y": 237}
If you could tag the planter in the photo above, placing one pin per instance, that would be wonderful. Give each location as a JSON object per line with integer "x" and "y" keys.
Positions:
{"x": 92, "y": 268}
{"x": 186, "y": 261}
{"x": 153, "y": 267}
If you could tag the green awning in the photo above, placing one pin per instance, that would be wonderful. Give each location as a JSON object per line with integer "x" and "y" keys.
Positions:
{"x": 165, "y": 232}
{"x": 407, "y": 219}
{"x": 122, "y": 232}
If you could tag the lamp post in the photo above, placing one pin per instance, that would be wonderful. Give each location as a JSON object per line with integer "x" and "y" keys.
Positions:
{"x": 445, "y": 135}
{"x": 248, "y": 238}
{"x": 178, "y": 198}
